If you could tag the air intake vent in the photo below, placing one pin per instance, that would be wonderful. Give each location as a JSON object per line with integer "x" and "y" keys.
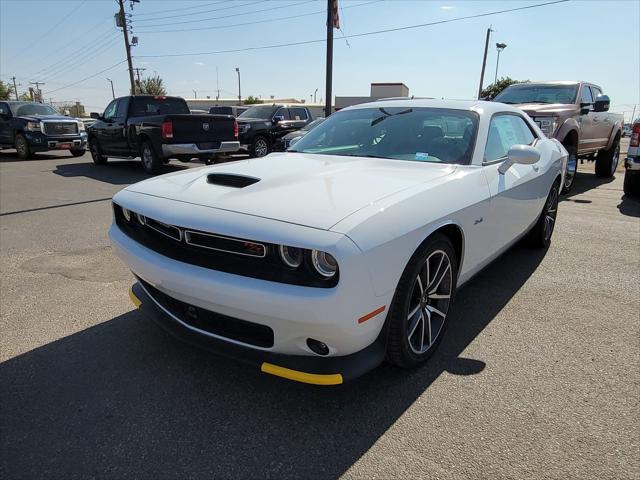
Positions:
{"x": 230, "y": 180}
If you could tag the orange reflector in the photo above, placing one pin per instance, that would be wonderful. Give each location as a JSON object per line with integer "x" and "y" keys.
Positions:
{"x": 372, "y": 314}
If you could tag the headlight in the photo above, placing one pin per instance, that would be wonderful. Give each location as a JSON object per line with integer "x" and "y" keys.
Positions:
{"x": 141, "y": 219}
{"x": 547, "y": 125}
{"x": 126, "y": 214}
{"x": 81, "y": 126}
{"x": 324, "y": 263}
{"x": 33, "y": 127}
{"x": 291, "y": 256}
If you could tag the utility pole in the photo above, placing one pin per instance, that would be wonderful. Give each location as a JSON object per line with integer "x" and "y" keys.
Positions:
{"x": 217, "y": 85}
{"x": 329, "y": 74}
{"x": 484, "y": 61}
{"x": 113, "y": 93}
{"x": 239, "y": 94}
{"x": 38, "y": 93}
{"x": 633, "y": 115}
{"x": 15, "y": 87}
{"x": 138, "y": 70}
{"x": 314, "y": 95}
{"x": 500, "y": 47}
{"x": 123, "y": 19}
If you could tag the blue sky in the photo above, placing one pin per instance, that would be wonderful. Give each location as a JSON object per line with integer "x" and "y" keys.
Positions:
{"x": 65, "y": 41}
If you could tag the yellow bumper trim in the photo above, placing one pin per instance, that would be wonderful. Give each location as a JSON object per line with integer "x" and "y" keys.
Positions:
{"x": 313, "y": 378}
{"x": 136, "y": 301}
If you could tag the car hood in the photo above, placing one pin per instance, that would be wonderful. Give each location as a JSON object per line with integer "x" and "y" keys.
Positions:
{"x": 532, "y": 109}
{"x": 35, "y": 118}
{"x": 306, "y": 189}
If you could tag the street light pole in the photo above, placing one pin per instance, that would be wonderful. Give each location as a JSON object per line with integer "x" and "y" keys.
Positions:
{"x": 195, "y": 94}
{"x": 500, "y": 47}
{"x": 239, "y": 92}
{"x": 113, "y": 93}
{"x": 314, "y": 95}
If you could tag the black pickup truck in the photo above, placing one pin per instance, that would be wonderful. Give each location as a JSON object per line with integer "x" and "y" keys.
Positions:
{"x": 32, "y": 127}
{"x": 262, "y": 125}
{"x": 158, "y": 128}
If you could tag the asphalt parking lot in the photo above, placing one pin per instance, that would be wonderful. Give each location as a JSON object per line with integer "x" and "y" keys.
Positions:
{"x": 537, "y": 377}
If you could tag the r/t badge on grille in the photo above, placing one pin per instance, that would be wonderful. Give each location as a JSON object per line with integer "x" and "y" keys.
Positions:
{"x": 205, "y": 127}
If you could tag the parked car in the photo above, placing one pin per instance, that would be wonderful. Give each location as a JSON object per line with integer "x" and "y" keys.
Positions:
{"x": 576, "y": 113}
{"x": 228, "y": 110}
{"x": 262, "y": 125}
{"x": 316, "y": 265}
{"x": 32, "y": 127}
{"x": 282, "y": 143}
{"x": 158, "y": 128}
{"x": 626, "y": 130}
{"x": 632, "y": 162}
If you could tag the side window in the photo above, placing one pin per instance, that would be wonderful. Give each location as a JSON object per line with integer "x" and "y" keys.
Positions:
{"x": 506, "y": 131}
{"x": 283, "y": 112}
{"x": 595, "y": 91}
{"x": 298, "y": 114}
{"x": 585, "y": 95}
{"x": 121, "y": 111}
{"x": 110, "y": 111}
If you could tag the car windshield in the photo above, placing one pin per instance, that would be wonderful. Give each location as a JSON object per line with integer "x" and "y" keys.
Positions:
{"x": 538, "y": 94}
{"x": 21, "y": 109}
{"x": 262, "y": 111}
{"x": 312, "y": 125}
{"x": 397, "y": 133}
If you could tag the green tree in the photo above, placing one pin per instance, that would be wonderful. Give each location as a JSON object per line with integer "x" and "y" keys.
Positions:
{"x": 25, "y": 97}
{"x": 494, "y": 89}
{"x": 152, "y": 86}
{"x": 251, "y": 100}
{"x": 6, "y": 91}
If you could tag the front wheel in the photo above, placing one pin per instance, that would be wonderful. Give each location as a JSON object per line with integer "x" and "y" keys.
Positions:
{"x": 260, "y": 147}
{"x": 418, "y": 315}
{"x": 607, "y": 160}
{"x": 22, "y": 147}
{"x": 78, "y": 152}
{"x": 540, "y": 234}
{"x": 96, "y": 152}
{"x": 572, "y": 168}
{"x": 150, "y": 160}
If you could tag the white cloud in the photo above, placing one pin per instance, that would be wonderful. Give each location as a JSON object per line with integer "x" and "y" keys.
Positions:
{"x": 200, "y": 64}
{"x": 447, "y": 7}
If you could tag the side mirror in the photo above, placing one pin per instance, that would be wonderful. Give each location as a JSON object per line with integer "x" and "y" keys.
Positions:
{"x": 601, "y": 104}
{"x": 519, "y": 154}
{"x": 278, "y": 119}
{"x": 585, "y": 107}
{"x": 95, "y": 115}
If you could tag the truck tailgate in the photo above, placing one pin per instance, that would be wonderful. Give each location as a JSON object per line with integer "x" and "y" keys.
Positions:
{"x": 202, "y": 128}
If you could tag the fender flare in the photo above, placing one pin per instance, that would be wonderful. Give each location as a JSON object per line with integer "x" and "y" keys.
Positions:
{"x": 566, "y": 128}
{"x": 615, "y": 132}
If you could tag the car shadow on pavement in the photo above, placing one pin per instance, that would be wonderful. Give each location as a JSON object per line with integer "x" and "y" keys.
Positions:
{"x": 12, "y": 156}
{"x": 629, "y": 206}
{"x": 124, "y": 399}
{"x": 584, "y": 182}
{"x": 116, "y": 172}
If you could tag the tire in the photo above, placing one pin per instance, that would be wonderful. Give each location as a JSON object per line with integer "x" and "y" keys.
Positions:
{"x": 540, "y": 234}
{"x": 607, "y": 160}
{"x": 572, "y": 167}
{"x": 260, "y": 147}
{"x": 414, "y": 328}
{"x": 631, "y": 184}
{"x": 22, "y": 147}
{"x": 150, "y": 160}
{"x": 78, "y": 153}
{"x": 96, "y": 152}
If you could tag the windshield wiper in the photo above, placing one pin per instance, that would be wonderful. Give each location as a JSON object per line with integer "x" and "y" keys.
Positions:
{"x": 387, "y": 115}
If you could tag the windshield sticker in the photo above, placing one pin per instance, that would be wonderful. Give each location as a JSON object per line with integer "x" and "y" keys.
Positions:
{"x": 422, "y": 156}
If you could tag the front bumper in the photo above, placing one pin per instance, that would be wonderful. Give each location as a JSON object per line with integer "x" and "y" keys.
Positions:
{"x": 185, "y": 149}
{"x": 40, "y": 142}
{"x": 301, "y": 368}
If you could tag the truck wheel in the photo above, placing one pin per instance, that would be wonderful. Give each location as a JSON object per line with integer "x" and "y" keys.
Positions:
{"x": 78, "y": 152}
{"x": 22, "y": 147}
{"x": 150, "y": 160}
{"x": 572, "y": 167}
{"x": 607, "y": 160}
{"x": 96, "y": 153}
{"x": 260, "y": 147}
{"x": 631, "y": 185}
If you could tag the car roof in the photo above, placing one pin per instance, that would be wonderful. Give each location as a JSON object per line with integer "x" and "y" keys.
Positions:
{"x": 479, "y": 106}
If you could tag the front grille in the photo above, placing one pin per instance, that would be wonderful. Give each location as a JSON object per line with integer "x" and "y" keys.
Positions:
{"x": 222, "y": 253}
{"x": 60, "y": 128}
{"x": 212, "y": 322}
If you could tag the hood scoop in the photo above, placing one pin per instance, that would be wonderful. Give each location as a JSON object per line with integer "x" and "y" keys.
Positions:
{"x": 231, "y": 180}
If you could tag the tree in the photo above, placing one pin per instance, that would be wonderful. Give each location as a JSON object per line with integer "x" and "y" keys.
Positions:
{"x": 6, "y": 91}
{"x": 152, "y": 86}
{"x": 251, "y": 100}
{"x": 25, "y": 97}
{"x": 494, "y": 89}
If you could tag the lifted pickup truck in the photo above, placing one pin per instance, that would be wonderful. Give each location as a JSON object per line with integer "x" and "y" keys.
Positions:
{"x": 576, "y": 113}
{"x": 32, "y": 127}
{"x": 158, "y": 128}
{"x": 261, "y": 125}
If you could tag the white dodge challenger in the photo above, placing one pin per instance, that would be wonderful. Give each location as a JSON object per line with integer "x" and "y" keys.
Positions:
{"x": 318, "y": 263}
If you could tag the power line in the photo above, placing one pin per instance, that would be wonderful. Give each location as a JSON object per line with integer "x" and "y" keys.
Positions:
{"x": 87, "y": 78}
{"x": 268, "y": 20}
{"x": 227, "y": 16}
{"x": 196, "y": 13}
{"x": 180, "y": 9}
{"x": 356, "y": 35}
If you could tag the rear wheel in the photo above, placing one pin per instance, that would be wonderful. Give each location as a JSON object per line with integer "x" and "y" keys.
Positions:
{"x": 22, "y": 147}
{"x": 540, "y": 234}
{"x": 96, "y": 152}
{"x": 418, "y": 315}
{"x": 150, "y": 160}
{"x": 632, "y": 183}
{"x": 607, "y": 160}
